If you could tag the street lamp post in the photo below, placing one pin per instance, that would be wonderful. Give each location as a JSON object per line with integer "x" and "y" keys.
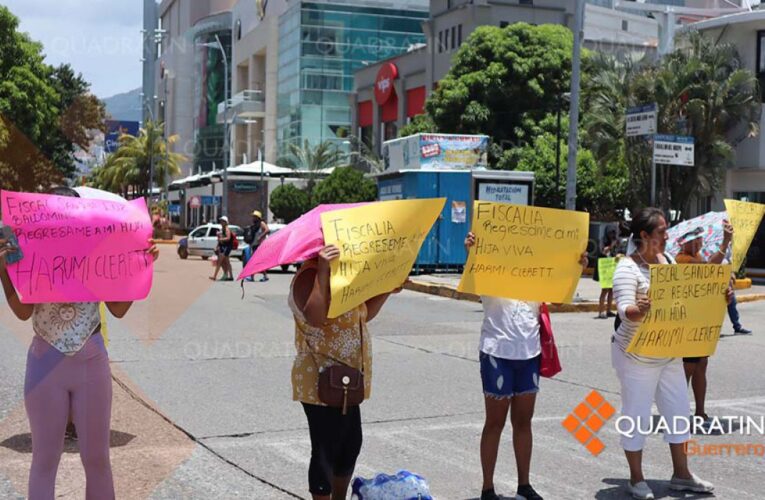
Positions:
{"x": 565, "y": 96}
{"x": 150, "y": 138}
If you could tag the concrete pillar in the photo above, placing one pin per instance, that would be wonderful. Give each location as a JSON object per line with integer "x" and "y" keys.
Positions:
{"x": 271, "y": 88}
{"x": 353, "y": 100}
{"x": 376, "y": 127}
{"x": 400, "y": 86}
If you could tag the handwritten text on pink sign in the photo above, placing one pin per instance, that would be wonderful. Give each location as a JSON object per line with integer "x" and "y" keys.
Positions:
{"x": 79, "y": 250}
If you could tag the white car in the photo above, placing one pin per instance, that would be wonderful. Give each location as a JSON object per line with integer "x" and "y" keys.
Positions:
{"x": 203, "y": 241}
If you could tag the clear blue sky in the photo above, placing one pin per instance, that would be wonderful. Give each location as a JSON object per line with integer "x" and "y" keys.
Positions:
{"x": 100, "y": 38}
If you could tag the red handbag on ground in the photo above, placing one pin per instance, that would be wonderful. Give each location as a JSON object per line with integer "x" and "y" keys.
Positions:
{"x": 549, "y": 365}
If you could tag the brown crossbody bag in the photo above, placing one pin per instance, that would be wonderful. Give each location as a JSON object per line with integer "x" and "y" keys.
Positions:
{"x": 340, "y": 385}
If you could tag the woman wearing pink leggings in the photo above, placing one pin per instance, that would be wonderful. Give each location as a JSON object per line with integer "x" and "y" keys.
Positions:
{"x": 67, "y": 373}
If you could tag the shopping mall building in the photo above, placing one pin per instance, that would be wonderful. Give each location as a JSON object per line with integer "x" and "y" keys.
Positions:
{"x": 289, "y": 66}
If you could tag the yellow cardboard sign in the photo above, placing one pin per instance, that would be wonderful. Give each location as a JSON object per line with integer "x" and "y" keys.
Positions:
{"x": 606, "y": 268}
{"x": 525, "y": 253}
{"x": 745, "y": 217}
{"x": 688, "y": 305}
{"x": 378, "y": 245}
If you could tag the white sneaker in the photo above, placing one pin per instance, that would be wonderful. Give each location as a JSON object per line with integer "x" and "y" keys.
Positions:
{"x": 695, "y": 484}
{"x": 641, "y": 491}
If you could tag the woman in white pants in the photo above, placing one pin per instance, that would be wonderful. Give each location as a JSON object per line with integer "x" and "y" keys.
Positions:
{"x": 644, "y": 379}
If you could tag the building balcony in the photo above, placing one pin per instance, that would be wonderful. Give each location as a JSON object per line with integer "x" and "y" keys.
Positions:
{"x": 246, "y": 105}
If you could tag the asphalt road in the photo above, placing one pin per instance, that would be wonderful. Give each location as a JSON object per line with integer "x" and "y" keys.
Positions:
{"x": 203, "y": 399}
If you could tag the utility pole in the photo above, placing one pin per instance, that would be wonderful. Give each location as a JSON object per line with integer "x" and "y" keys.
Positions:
{"x": 573, "y": 131}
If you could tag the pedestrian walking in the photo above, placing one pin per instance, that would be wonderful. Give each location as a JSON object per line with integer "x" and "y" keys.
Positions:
{"x": 223, "y": 251}
{"x": 254, "y": 235}
{"x": 509, "y": 355}
{"x": 645, "y": 379}
{"x": 331, "y": 375}
{"x": 67, "y": 370}
{"x": 607, "y": 249}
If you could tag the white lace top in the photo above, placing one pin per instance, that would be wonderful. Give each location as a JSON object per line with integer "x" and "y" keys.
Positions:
{"x": 66, "y": 326}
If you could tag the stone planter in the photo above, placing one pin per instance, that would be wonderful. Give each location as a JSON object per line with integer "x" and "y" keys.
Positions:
{"x": 163, "y": 234}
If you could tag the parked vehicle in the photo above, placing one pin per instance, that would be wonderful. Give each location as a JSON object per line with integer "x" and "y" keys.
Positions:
{"x": 203, "y": 240}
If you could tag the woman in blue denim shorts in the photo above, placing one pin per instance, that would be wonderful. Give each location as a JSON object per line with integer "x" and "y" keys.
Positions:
{"x": 509, "y": 356}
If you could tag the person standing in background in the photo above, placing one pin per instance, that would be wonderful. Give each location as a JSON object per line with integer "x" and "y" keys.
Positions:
{"x": 608, "y": 248}
{"x": 695, "y": 368}
{"x": 254, "y": 235}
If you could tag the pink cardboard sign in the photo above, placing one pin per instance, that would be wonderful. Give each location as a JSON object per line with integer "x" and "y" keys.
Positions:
{"x": 79, "y": 250}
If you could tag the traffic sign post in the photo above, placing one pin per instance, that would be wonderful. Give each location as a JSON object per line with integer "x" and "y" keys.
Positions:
{"x": 670, "y": 150}
{"x": 673, "y": 150}
{"x": 641, "y": 120}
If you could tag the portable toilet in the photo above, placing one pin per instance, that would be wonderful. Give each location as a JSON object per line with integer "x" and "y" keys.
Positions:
{"x": 435, "y": 166}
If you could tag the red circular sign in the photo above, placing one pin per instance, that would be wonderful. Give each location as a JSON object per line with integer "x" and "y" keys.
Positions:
{"x": 195, "y": 202}
{"x": 384, "y": 82}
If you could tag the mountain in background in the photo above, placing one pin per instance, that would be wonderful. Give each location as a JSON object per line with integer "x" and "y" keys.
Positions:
{"x": 125, "y": 106}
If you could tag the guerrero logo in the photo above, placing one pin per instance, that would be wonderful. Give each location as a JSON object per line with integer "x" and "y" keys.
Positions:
{"x": 587, "y": 419}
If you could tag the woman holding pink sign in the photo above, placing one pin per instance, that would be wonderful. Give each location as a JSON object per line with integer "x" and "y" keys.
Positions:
{"x": 67, "y": 371}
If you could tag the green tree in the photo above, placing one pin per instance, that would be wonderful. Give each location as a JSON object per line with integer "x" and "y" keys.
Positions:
{"x": 28, "y": 110}
{"x": 502, "y": 82}
{"x": 421, "y": 124}
{"x": 345, "y": 185}
{"x": 130, "y": 166}
{"x": 44, "y": 113}
{"x": 310, "y": 161}
{"x": 289, "y": 202}
{"x": 601, "y": 191}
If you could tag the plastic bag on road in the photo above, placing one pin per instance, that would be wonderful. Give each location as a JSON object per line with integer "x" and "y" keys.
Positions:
{"x": 403, "y": 486}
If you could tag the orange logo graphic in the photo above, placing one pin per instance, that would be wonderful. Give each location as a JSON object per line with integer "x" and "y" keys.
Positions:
{"x": 587, "y": 419}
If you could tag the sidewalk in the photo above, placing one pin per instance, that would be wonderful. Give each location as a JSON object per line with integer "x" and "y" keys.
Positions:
{"x": 585, "y": 298}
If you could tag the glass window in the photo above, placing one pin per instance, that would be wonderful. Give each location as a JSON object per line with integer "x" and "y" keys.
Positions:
{"x": 199, "y": 233}
{"x": 760, "y": 52}
{"x": 440, "y": 41}
{"x": 459, "y": 35}
{"x": 318, "y": 56}
{"x": 446, "y": 39}
{"x": 214, "y": 232}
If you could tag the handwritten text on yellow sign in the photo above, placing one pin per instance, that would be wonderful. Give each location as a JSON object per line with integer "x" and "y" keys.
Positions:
{"x": 746, "y": 218}
{"x": 378, "y": 245}
{"x": 606, "y": 268}
{"x": 525, "y": 253}
{"x": 688, "y": 305}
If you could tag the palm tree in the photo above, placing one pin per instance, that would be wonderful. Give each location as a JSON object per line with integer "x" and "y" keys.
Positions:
{"x": 701, "y": 90}
{"x": 364, "y": 157}
{"x": 721, "y": 101}
{"x": 130, "y": 166}
{"x": 311, "y": 161}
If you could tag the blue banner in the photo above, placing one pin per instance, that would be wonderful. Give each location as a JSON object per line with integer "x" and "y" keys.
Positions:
{"x": 114, "y": 129}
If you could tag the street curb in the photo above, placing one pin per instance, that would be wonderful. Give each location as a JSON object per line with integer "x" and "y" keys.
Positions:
{"x": 451, "y": 292}
{"x": 165, "y": 242}
{"x": 750, "y": 297}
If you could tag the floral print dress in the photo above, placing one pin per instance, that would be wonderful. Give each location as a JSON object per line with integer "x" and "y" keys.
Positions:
{"x": 338, "y": 342}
